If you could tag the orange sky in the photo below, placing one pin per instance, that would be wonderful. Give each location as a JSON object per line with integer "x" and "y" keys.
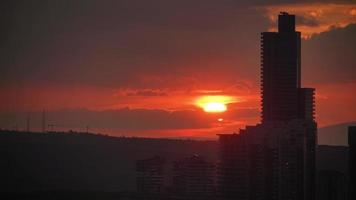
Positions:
{"x": 335, "y": 104}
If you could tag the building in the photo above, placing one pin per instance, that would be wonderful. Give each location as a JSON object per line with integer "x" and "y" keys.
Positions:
{"x": 194, "y": 178}
{"x": 352, "y": 162}
{"x": 283, "y": 98}
{"x": 280, "y": 70}
{"x": 274, "y": 159}
{"x": 331, "y": 185}
{"x": 150, "y": 175}
{"x": 233, "y": 168}
{"x": 266, "y": 161}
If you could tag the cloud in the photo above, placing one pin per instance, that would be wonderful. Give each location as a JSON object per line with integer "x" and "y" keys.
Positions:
{"x": 147, "y": 92}
{"x": 120, "y": 119}
{"x": 128, "y": 43}
{"x": 127, "y": 120}
{"x": 329, "y": 56}
{"x": 314, "y": 18}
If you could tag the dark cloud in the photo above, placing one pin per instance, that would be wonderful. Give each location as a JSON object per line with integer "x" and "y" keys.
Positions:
{"x": 307, "y": 21}
{"x": 115, "y": 43}
{"x": 329, "y": 57}
{"x": 123, "y": 119}
{"x": 119, "y": 43}
{"x": 147, "y": 92}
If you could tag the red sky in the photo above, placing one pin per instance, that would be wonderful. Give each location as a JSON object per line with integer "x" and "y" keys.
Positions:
{"x": 129, "y": 68}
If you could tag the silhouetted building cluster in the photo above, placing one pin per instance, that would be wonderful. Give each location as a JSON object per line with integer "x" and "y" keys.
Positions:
{"x": 189, "y": 178}
{"x": 352, "y": 162}
{"x": 275, "y": 159}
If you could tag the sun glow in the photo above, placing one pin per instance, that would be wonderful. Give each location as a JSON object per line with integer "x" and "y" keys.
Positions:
{"x": 215, "y": 107}
{"x": 214, "y": 104}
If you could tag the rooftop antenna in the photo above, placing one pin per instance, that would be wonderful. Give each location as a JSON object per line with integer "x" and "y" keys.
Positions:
{"x": 284, "y": 13}
{"x": 43, "y": 121}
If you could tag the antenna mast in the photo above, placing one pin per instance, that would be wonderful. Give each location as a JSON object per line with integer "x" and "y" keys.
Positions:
{"x": 44, "y": 121}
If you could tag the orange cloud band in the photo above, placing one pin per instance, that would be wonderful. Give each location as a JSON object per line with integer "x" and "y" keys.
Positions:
{"x": 314, "y": 18}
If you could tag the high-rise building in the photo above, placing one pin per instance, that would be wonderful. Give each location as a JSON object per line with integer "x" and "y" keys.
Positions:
{"x": 275, "y": 159}
{"x": 194, "y": 178}
{"x": 150, "y": 175}
{"x": 280, "y": 70}
{"x": 233, "y": 167}
{"x": 283, "y": 98}
{"x": 352, "y": 162}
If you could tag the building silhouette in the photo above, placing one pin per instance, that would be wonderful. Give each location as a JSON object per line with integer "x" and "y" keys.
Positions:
{"x": 331, "y": 185}
{"x": 150, "y": 175}
{"x": 283, "y": 99}
{"x": 194, "y": 178}
{"x": 352, "y": 161}
{"x": 276, "y": 158}
{"x": 233, "y": 167}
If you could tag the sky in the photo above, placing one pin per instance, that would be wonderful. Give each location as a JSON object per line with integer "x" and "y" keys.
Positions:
{"x": 143, "y": 68}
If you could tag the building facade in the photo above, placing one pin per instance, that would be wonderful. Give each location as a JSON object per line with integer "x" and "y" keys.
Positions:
{"x": 150, "y": 175}
{"x": 194, "y": 178}
{"x": 332, "y": 185}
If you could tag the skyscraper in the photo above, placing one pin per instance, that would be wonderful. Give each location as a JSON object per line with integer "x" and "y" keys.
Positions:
{"x": 283, "y": 98}
{"x": 280, "y": 70}
{"x": 277, "y": 157}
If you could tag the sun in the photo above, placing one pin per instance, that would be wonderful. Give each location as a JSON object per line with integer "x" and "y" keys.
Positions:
{"x": 214, "y": 104}
{"x": 214, "y": 107}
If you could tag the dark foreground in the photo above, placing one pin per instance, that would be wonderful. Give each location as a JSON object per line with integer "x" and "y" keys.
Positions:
{"x": 89, "y": 166}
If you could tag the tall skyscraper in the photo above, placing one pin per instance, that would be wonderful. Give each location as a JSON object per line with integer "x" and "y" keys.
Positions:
{"x": 283, "y": 98}
{"x": 280, "y": 70}
{"x": 275, "y": 159}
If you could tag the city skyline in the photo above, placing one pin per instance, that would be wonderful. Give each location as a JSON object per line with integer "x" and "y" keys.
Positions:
{"x": 178, "y": 99}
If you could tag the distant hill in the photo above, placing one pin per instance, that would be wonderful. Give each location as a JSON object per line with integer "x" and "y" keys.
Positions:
{"x": 80, "y": 161}
{"x": 334, "y": 135}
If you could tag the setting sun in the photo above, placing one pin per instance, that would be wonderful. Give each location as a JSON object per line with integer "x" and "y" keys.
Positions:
{"x": 215, "y": 107}
{"x": 214, "y": 104}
